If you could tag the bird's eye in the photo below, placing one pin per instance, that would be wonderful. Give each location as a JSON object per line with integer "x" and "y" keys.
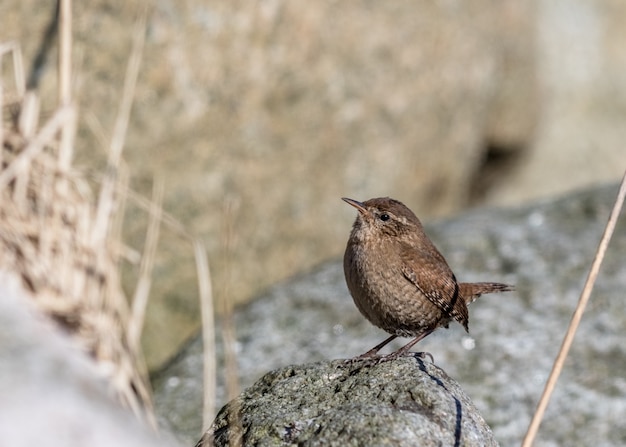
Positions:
{"x": 384, "y": 217}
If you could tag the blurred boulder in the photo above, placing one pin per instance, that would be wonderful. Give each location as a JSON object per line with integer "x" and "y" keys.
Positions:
{"x": 52, "y": 393}
{"x": 545, "y": 249}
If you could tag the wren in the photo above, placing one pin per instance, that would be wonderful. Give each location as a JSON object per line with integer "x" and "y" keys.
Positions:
{"x": 398, "y": 279}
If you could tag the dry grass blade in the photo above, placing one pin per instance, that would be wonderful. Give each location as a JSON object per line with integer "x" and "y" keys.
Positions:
{"x": 65, "y": 80}
{"x": 13, "y": 48}
{"x": 205, "y": 292}
{"x": 208, "y": 332}
{"x": 29, "y": 114}
{"x": 1, "y": 106}
{"x": 229, "y": 336}
{"x": 65, "y": 51}
{"x": 45, "y": 136}
{"x": 578, "y": 313}
{"x": 107, "y": 191}
{"x": 18, "y": 65}
{"x": 226, "y": 304}
{"x": 142, "y": 292}
{"x": 170, "y": 221}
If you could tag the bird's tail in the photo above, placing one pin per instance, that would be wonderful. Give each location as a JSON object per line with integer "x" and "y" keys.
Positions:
{"x": 472, "y": 290}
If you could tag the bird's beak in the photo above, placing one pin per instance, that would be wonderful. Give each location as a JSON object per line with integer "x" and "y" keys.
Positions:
{"x": 358, "y": 205}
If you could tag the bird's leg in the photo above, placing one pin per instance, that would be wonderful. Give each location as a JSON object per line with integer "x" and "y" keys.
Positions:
{"x": 372, "y": 352}
{"x": 405, "y": 349}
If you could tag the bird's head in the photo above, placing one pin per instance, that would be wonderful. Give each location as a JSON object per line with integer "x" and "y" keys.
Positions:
{"x": 383, "y": 216}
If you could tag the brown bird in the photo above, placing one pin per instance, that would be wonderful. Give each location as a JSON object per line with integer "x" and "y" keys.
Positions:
{"x": 398, "y": 279}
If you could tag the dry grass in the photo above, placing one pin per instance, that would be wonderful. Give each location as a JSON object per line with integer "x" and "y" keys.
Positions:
{"x": 66, "y": 244}
{"x": 49, "y": 236}
{"x": 47, "y": 220}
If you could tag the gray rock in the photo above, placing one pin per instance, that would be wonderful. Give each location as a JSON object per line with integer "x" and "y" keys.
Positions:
{"x": 403, "y": 402}
{"x": 51, "y": 393}
{"x": 545, "y": 249}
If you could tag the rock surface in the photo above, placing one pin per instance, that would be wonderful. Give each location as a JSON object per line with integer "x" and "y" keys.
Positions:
{"x": 502, "y": 364}
{"x": 51, "y": 394}
{"x": 403, "y": 402}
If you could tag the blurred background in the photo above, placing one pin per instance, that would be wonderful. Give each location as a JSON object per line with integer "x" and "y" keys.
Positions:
{"x": 259, "y": 116}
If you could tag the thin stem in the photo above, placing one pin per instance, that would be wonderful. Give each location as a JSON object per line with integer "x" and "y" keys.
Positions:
{"x": 578, "y": 313}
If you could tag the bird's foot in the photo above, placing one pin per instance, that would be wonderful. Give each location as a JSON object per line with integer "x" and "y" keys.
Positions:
{"x": 372, "y": 354}
{"x": 369, "y": 355}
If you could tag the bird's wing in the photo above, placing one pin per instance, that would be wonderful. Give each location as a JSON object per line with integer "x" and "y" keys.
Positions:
{"x": 435, "y": 280}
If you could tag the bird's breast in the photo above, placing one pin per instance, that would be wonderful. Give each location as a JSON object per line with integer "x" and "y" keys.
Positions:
{"x": 382, "y": 293}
